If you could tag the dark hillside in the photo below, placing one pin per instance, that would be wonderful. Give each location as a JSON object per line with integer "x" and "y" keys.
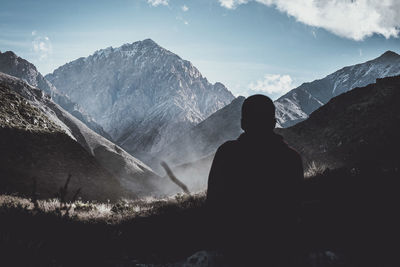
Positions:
{"x": 358, "y": 126}
{"x": 32, "y": 145}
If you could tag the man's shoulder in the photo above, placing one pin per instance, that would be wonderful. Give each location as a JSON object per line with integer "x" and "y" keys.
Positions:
{"x": 227, "y": 146}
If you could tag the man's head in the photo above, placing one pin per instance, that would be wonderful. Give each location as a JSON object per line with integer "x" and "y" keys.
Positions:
{"x": 258, "y": 114}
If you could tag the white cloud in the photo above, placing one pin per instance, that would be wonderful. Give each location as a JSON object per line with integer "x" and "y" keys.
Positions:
{"x": 184, "y": 8}
{"x": 353, "y": 19}
{"x": 274, "y": 84}
{"x": 158, "y": 2}
{"x": 34, "y": 33}
{"x": 232, "y": 4}
{"x": 42, "y": 46}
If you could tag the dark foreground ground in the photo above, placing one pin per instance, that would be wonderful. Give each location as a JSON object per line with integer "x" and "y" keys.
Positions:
{"x": 350, "y": 217}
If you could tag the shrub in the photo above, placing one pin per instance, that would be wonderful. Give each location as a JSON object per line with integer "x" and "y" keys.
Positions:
{"x": 314, "y": 169}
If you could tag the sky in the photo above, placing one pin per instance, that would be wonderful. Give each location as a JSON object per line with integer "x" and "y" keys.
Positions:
{"x": 251, "y": 46}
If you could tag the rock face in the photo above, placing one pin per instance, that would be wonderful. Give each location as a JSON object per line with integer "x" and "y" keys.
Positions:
{"x": 300, "y": 102}
{"x": 133, "y": 176}
{"x": 18, "y": 67}
{"x": 142, "y": 94}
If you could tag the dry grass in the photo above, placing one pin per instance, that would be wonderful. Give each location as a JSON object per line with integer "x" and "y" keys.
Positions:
{"x": 314, "y": 169}
{"x": 106, "y": 212}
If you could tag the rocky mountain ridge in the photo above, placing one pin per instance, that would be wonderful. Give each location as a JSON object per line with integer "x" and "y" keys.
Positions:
{"x": 363, "y": 127}
{"x": 300, "y": 102}
{"x": 142, "y": 94}
{"x": 16, "y": 66}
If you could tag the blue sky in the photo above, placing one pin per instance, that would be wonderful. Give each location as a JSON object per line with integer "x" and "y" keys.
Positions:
{"x": 252, "y": 46}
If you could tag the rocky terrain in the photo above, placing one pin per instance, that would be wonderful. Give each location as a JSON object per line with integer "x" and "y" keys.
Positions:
{"x": 142, "y": 94}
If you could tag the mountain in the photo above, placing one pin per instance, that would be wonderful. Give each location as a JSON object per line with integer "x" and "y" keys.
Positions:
{"x": 33, "y": 145}
{"x": 300, "y": 102}
{"x": 142, "y": 94}
{"x": 13, "y": 65}
{"x": 362, "y": 125}
{"x": 204, "y": 139}
{"x": 133, "y": 176}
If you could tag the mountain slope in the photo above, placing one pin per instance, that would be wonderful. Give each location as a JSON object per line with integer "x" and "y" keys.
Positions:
{"x": 300, "y": 102}
{"x": 18, "y": 67}
{"x": 132, "y": 174}
{"x": 141, "y": 93}
{"x": 362, "y": 125}
{"x": 204, "y": 138}
{"x": 32, "y": 145}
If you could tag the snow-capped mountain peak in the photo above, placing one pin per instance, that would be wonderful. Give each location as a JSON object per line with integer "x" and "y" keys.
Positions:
{"x": 141, "y": 93}
{"x": 300, "y": 102}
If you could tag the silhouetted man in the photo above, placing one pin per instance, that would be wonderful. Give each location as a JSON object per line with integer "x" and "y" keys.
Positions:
{"x": 253, "y": 191}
